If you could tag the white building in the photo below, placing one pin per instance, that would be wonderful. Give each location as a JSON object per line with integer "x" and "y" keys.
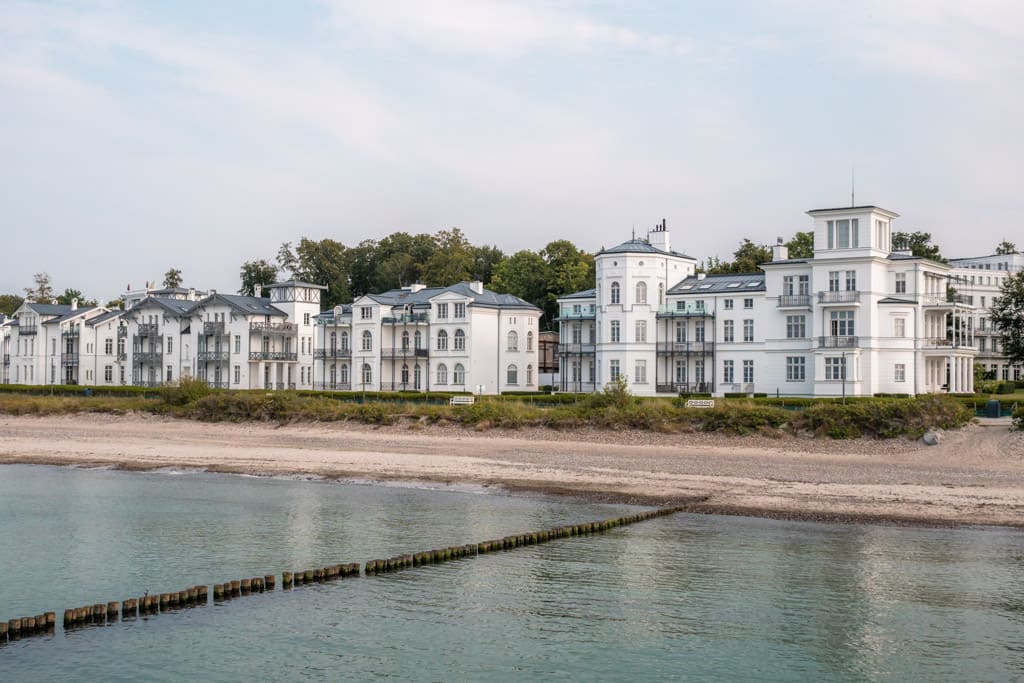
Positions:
{"x": 858, "y": 318}
{"x": 457, "y": 338}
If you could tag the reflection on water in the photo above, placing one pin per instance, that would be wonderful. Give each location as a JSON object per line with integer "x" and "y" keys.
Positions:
{"x": 694, "y": 597}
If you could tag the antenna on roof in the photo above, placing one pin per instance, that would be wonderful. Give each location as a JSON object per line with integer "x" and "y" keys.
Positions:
{"x": 852, "y": 188}
{"x": 634, "y": 231}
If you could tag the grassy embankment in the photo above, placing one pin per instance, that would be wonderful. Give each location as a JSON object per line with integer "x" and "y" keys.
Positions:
{"x": 613, "y": 409}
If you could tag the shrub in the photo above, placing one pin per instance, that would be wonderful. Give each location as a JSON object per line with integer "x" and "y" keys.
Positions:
{"x": 1005, "y": 388}
{"x": 185, "y": 391}
{"x": 616, "y": 394}
{"x": 1018, "y": 418}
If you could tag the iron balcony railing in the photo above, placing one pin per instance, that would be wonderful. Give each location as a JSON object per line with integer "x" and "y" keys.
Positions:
{"x": 576, "y": 349}
{"x": 842, "y": 297}
{"x": 837, "y": 342}
{"x": 214, "y": 356}
{"x": 148, "y": 357}
{"x": 404, "y": 352}
{"x": 148, "y": 330}
{"x": 71, "y": 332}
{"x": 332, "y": 353}
{"x": 122, "y": 331}
{"x": 684, "y": 388}
{"x": 794, "y": 301}
{"x": 69, "y": 360}
{"x": 273, "y": 328}
{"x": 670, "y": 311}
{"x": 406, "y": 318}
{"x": 27, "y": 330}
{"x": 686, "y": 347}
{"x": 213, "y": 328}
{"x": 122, "y": 355}
{"x": 273, "y": 355}
{"x": 584, "y": 313}
{"x": 7, "y": 359}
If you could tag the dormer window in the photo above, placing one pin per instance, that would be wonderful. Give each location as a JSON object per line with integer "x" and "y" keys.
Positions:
{"x": 842, "y": 234}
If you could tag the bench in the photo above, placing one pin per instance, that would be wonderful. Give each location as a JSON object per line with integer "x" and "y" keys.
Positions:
{"x": 462, "y": 400}
{"x": 700, "y": 403}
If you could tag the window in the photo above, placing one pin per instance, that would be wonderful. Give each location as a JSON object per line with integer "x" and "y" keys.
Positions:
{"x": 661, "y": 293}
{"x": 640, "y": 372}
{"x": 841, "y": 323}
{"x": 512, "y": 375}
{"x": 727, "y": 303}
{"x": 442, "y": 311}
{"x": 529, "y": 375}
{"x": 748, "y": 303}
{"x": 442, "y": 341}
{"x": 698, "y": 371}
{"x": 170, "y": 373}
{"x": 108, "y": 373}
{"x": 513, "y": 340}
{"x": 833, "y": 281}
{"x": 616, "y": 331}
{"x": 108, "y": 346}
{"x": 981, "y": 343}
{"x": 680, "y": 331}
{"x": 305, "y": 318}
{"x": 899, "y": 327}
{"x": 344, "y": 341}
{"x": 804, "y": 285}
{"x": 367, "y": 374}
{"x": 900, "y": 372}
{"x": 681, "y": 371}
{"x": 698, "y": 331}
{"x": 842, "y": 234}
{"x": 851, "y": 281}
{"x": 835, "y": 368}
{"x": 529, "y": 341}
{"x": 641, "y": 331}
{"x": 796, "y": 326}
{"x": 417, "y": 340}
{"x": 901, "y": 283}
{"x": 405, "y": 340}
{"x": 728, "y": 371}
{"x": 613, "y": 370}
{"x": 748, "y": 330}
{"x": 366, "y": 312}
{"x": 367, "y": 341}
{"x": 615, "y": 293}
{"x": 748, "y": 371}
{"x": 238, "y": 343}
{"x": 641, "y": 292}
{"x": 405, "y": 373}
{"x": 238, "y": 374}
{"x": 460, "y": 310}
{"x": 728, "y": 331}
{"x": 460, "y": 340}
{"x": 796, "y": 368}
{"x": 577, "y": 334}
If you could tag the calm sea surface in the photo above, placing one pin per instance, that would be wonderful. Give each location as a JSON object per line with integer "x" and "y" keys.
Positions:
{"x": 678, "y": 598}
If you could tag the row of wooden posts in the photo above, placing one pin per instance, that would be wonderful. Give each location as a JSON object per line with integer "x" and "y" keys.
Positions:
{"x": 197, "y": 596}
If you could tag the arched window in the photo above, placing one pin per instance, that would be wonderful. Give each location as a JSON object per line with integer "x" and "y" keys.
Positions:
{"x": 334, "y": 375}
{"x": 512, "y": 375}
{"x": 513, "y": 340}
{"x": 344, "y": 373}
{"x": 405, "y": 374}
{"x": 460, "y": 340}
{"x": 459, "y": 375}
{"x": 442, "y": 374}
{"x": 418, "y": 339}
{"x": 367, "y": 374}
{"x": 344, "y": 341}
{"x": 661, "y": 293}
{"x": 529, "y": 375}
{"x": 367, "y": 340}
{"x": 417, "y": 376}
{"x": 615, "y": 293}
{"x": 334, "y": 341}
{"x": 641, "y": 292}
{"x": 405, "y": 341}
{"x": 529, "y": 341}
{"x": 442, "y": 341}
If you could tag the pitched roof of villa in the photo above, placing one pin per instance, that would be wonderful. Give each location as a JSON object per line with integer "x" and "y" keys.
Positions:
{"x": 733, "y": 283}
{"x": 641, "y": 246}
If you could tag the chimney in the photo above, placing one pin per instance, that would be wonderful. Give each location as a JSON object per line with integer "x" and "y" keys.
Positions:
{"x": 191, "y": 293}
{"x": 659, "y": 237}
{"x": 74, "y": 304}
{"x": 780, "y": 252}
{"x": 701, "y": 276}
{"x": 415, "y": 287}
{"x": 477, "y": 286}
{"x": 257, "y": 291}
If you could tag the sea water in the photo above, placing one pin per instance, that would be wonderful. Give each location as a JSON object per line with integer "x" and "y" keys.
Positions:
{"x": 684, "y": 597}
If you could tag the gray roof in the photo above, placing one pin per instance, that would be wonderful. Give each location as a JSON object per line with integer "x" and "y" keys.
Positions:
{"x": 247, "y": 305}
{"x": 896, "y": 300}
{"x": 421, "y": 298}
{"x": 69, "y": 315}
{"x": 718, "y": 284}
{"x": 104, "y": 317}
{"x": 585, "y": 294}
{"x": 294, "y": 283}
{"x": 177, "y": 307}
{"x": 641, "y": 246}
{"x": 49, "y": 309}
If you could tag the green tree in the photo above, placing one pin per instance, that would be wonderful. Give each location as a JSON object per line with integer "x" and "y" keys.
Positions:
{"x": 397, "y": 260}
{"x": 919, "y": 244}
{"x": 172, "y": 278}
{"x": 287, "y": 262}
{"x": 1007, "y": 315}
{"x": 745, "y": 260}
{"x": 70, "y": 295}
{"x": 256, "y": 272}
{"x": 801, "y": 245}
{"x": 452, "y": 261}
{"x": 523, "y": 274}
{"x": 1006, "y": 247}
{"x": 324, "y": 262}
{"x": 9, "y": 303}
{"x": 485, "y": 260}
{"x": 42, "y": 291}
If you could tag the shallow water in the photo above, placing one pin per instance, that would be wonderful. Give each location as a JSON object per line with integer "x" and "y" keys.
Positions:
{"x": 680, "y": 597}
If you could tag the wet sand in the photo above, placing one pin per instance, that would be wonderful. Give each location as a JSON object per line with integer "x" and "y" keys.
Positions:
{"x": 974, "y": 476}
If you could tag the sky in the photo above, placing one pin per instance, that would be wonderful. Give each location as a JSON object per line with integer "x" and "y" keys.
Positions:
{"x": 140, "y": 136}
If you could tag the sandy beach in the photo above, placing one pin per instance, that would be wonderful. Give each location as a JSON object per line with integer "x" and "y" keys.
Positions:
{"x": 974, "y": 476}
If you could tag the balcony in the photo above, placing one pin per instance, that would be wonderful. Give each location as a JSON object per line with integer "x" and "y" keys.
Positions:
{"x": 213, "y": 357}
{"x": 149, "y": 357}
{"x": 7, "y": 359}
{"x": 71, "y": 332}
{"x": 584, "y": 313}
{"x": 404, "y": 352}
{"x": 682, "y": 348}
{"x": 122, "y": 332}
{"x": 273, "y": 355}
{"x": 69, "y": 360}
{"x": 147, "y": 330}
{"x": 213, "y": 329}
{"x": 274, "y": 328}
{"x": 122, "y": 356}
{"x": 843, "y": 297}
{"x": 686, "y": 311}
{"x": 405, "y": 318}
{"x": 837, "y": 342}
{"x": 576, "y": 349}
{"x": 27, "y": 330}
{"x": 795, "y": 301}
{"x": 326, "y": 354}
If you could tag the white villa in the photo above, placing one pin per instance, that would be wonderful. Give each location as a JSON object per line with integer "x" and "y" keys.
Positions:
{"x": 861, "y": 317}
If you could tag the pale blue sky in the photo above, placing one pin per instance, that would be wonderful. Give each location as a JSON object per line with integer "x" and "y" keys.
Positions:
{"x": 136, "y": 136}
